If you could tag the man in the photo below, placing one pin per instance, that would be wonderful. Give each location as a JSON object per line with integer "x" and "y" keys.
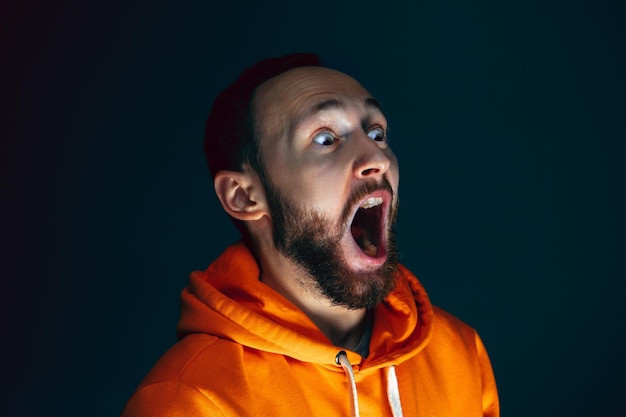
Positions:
{"x": 311, "y": 315}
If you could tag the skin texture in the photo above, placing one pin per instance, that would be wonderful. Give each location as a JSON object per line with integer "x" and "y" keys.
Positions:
{"x": 322, "y": 140}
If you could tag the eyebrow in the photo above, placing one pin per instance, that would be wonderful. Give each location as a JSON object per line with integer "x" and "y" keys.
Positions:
{"x": 372, "y": 103}
{"x": 334, "y": 104}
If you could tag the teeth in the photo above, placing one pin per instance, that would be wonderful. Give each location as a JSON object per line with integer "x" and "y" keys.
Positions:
{"x": 372, "y": 202}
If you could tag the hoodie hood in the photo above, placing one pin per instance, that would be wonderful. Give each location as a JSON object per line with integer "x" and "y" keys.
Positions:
{"x": 228, "y": 301}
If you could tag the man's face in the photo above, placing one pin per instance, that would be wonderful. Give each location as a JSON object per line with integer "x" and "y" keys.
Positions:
{"x": 331, "y": 182}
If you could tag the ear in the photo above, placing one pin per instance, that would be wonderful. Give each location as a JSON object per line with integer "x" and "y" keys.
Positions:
{"x": 241, "y": 194}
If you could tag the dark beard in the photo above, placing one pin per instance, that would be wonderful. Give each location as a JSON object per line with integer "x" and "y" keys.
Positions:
{"x": 313, "y": 242}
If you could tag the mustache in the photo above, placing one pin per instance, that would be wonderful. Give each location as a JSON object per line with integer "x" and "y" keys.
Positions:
{"x": 362, "y": 191}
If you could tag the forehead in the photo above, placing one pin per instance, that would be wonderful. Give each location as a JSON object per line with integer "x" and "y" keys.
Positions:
{"x": 285, "y": 99}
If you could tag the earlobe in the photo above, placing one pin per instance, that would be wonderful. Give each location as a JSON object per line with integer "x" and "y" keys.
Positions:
{"x": 240, "y": 194}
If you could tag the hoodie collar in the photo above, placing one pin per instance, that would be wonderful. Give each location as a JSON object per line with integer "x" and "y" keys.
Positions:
{"x": 227, "y": 300}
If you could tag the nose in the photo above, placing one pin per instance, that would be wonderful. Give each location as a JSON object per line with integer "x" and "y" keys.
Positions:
{"x": 372, "y": 160}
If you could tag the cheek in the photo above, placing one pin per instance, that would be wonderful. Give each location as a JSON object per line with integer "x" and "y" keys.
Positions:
{"x": 300, "y": 184}
{"x": 322, "y": 187}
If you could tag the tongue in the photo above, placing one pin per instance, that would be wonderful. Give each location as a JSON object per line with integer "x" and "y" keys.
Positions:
{"x": 362, "y": 239}
{"x": 368, "y": 247}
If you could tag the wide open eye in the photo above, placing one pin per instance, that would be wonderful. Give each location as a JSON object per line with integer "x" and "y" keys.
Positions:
{"x": 377, "y": 134}
{"x": 324, "y": 138}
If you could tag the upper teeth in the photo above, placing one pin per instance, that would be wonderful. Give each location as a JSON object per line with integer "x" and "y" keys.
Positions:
{"x": 372, "y": 202}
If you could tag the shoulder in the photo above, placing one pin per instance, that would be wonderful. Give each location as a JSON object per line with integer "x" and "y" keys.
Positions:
{"x": 454, "y": 339}
{"x": 197, "y": 352}
{"x": 451, "y": 326}
{"x": 448, "y": 327}
{"x": 458, "y": 346}
{"x": 169, "y": 398}
{"x": 184, "y": 379}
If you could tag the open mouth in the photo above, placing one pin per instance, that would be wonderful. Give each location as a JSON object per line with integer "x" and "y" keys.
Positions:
{"x": 367, "y": 227}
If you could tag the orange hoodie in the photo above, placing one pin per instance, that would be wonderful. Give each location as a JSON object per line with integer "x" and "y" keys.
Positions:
{"x": 247, "y": 351}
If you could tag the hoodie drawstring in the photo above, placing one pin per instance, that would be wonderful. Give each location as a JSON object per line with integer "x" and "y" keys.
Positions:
{"x": 393, "y": 393}
{"x": 342, "y": 359}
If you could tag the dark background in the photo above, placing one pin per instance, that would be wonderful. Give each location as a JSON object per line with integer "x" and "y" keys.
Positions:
{"x": 508, "y": 119}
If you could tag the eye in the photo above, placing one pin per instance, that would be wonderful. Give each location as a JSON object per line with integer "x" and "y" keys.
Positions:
{"x": 377, "y": 134}
{"x": 324, "y": 138}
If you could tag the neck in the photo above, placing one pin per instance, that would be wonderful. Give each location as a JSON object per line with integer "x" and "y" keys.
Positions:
{"x": 342, "y": 326}
{"x": 343, "y": 331}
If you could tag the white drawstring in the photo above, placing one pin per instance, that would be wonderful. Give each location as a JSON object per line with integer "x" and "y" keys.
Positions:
{"x": 393, "y": 393}
{"x": 342, "y": 359}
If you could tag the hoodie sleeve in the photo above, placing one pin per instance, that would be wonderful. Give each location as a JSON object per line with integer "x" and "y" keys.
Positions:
{"x": 491, "y": 404}
{"x": 171, "y": 399}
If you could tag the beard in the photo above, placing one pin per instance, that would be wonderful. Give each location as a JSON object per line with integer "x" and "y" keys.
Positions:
{"x": 313, "y": 242}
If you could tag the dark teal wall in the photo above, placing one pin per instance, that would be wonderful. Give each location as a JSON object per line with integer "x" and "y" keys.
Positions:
{"x": 508, "y": 119}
